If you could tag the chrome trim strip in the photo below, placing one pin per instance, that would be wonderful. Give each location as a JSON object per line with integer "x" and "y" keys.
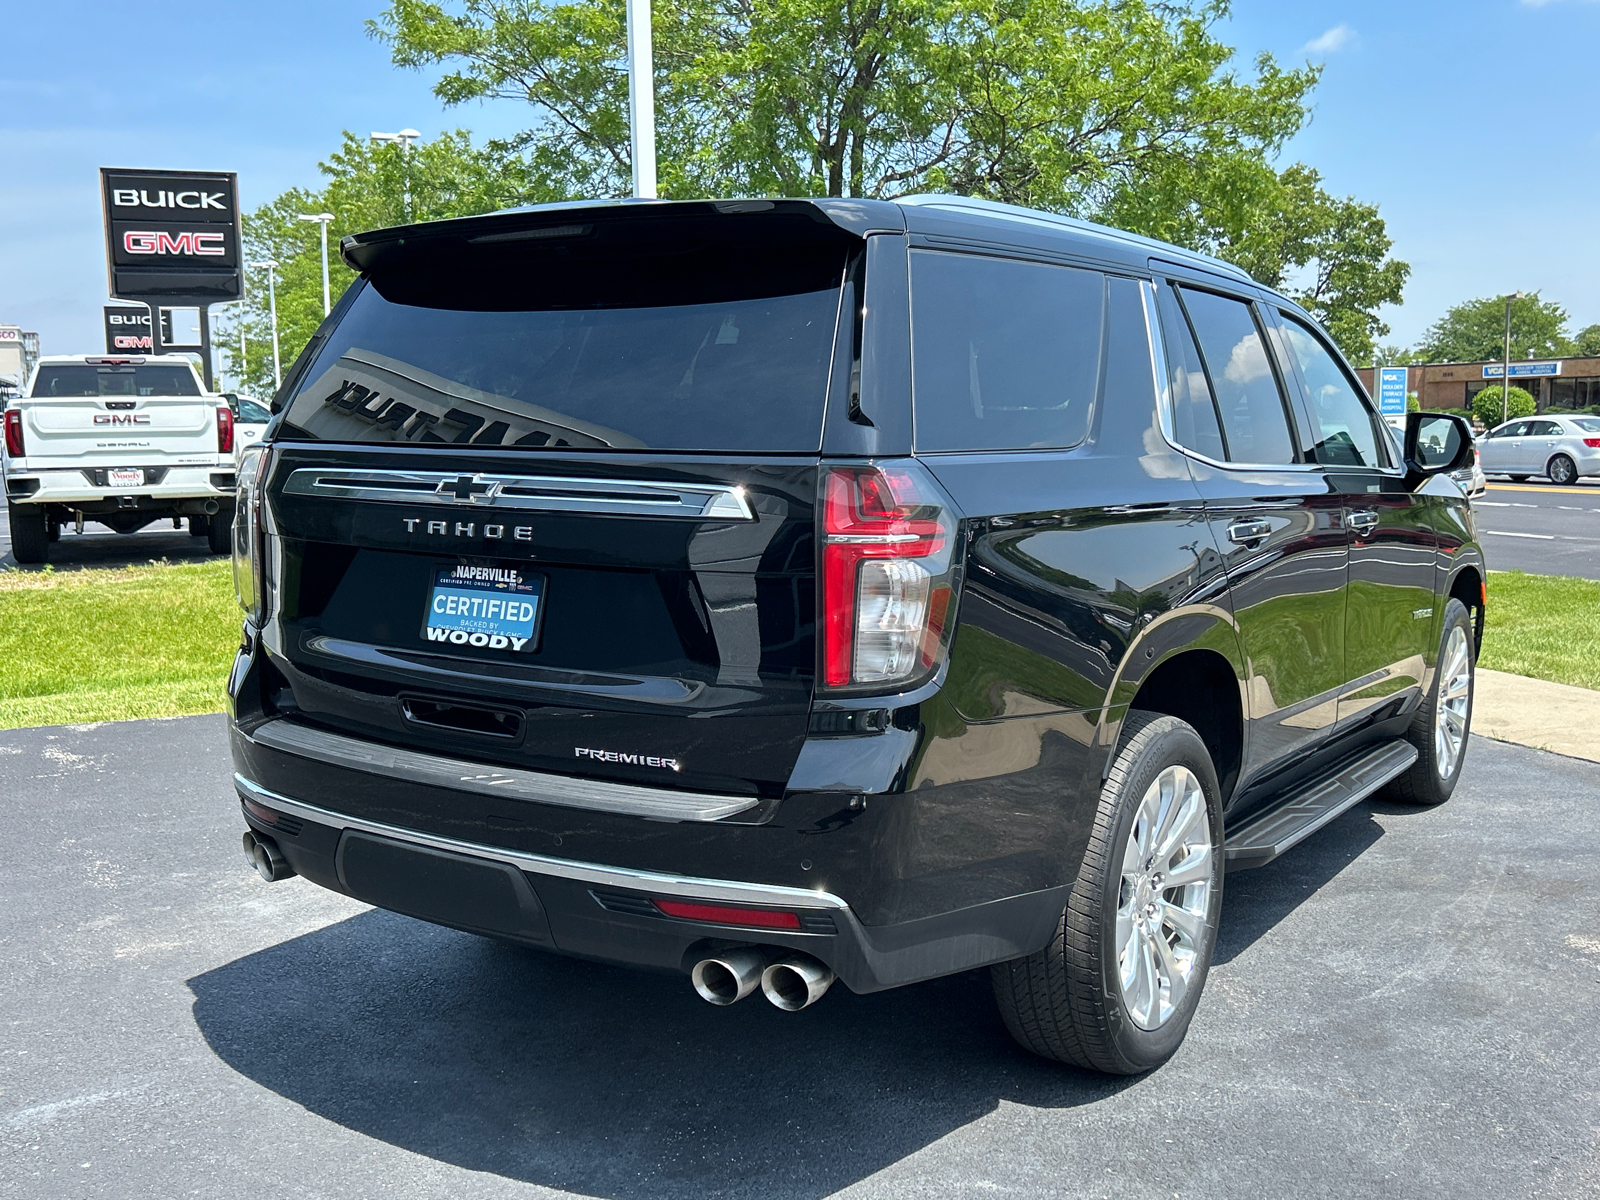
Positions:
{"x": 432, "y": 770}
{"x": 541, "y": 493}
{"x": 687, "y": 886}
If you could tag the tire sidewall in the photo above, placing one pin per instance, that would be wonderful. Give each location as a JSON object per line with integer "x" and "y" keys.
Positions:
{"x": 1143, "y": 1049}
{"x": 1455, "y": 613}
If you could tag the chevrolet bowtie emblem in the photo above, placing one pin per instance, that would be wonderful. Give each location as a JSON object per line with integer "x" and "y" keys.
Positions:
{"x": 470, "y": 489}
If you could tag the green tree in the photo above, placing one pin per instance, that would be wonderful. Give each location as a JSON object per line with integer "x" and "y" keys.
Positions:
{"x": 368, "y": 187}
{"x": 1587, "y": 342}
{"x": 1475, "y": 331}
{"x": 1488, "y": 407}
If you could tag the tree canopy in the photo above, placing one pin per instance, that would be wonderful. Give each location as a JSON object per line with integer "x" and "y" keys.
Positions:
{"x": 1587, "y": 342}
{"x": 1475, "y": 331}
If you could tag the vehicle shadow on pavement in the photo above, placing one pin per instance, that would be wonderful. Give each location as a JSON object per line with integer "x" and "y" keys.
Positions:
{"x": 612, "y": 1082}
{"x": 117, "y": 551}
{"x": 1257, "y": 901}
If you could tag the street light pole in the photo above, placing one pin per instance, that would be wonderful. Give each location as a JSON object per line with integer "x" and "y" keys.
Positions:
{"x": 322, "y": 219}
{"x": 641, "y": 100}
{"x": 404, "y": 138}
{"x": 271, "y": 265}
{"x": 1505, "y": 380}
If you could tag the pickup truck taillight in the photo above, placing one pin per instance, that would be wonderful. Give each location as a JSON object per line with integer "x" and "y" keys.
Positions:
{"x": 224, "y": 429}
{"x": 14, "y": 433}
{"x": 887, "y": 583}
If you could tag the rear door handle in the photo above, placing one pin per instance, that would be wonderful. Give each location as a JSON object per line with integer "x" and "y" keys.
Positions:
{"x": 1364, "y": 521}
{"x": 1248, "y": 532}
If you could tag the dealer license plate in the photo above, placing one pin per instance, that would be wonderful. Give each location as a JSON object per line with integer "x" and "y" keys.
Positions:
{"x": 124, "y": 477}
{"x": 493, "y": 607}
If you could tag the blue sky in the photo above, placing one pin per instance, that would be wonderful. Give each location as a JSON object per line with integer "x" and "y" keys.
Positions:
{"x": 1474, "y": 125}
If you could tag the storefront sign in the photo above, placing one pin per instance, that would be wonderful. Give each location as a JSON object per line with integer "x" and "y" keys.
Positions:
{"x": 1392, "y": 391}
{"x": 172, "y": 235}
{"x": 1521, "y": 370}
{"x": 128, "y": 330}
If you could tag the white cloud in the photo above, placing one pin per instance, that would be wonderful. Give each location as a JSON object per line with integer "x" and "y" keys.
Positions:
{"x": 1338, "y": 38}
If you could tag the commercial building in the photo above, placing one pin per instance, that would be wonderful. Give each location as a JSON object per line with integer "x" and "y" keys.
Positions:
{"x": 1557, "y": 384}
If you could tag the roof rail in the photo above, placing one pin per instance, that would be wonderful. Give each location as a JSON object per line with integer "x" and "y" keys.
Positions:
{"x": 1033, "y": 216}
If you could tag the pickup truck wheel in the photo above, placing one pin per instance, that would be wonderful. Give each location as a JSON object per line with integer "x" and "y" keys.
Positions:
{"x": 1118, "y": 984}
{"x": 30, "y": 533}
{"x": 1443, "y": 719}
{"x": 219, "y": 532}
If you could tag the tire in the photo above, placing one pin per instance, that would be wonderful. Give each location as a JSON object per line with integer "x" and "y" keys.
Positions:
{"x": 219, "y": 532}
{"x": 1441, "y": 743}
{"x": 1068, "y": 1001}
{"x": 1562, "y": 470}
{"x": 30, "y": 533}
{"x": 199, "y": 526}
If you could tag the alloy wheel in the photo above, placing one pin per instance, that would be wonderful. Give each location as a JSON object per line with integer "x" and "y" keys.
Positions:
{"x": 1165, "y": 897}
{"x": 1561, "y": 469}
{"x": 1455, "y": 698}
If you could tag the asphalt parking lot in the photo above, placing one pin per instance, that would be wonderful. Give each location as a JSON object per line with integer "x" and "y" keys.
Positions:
{"x": 98, "y": 546}
{"x": 1403, "y": 1007}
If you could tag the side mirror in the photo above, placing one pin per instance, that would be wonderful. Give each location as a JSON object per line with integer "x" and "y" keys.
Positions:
{"x": 1436, "y": 444}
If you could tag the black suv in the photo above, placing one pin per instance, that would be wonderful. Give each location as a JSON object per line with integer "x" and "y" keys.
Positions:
{"x": 778, "y": 591}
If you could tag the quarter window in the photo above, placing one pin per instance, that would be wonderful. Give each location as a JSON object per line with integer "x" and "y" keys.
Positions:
{"x": 1345, "y": 431}
{"x": 1194, "y": 415}
{"x": 1006, "y": 354}
{"x": 1254, "y": 420}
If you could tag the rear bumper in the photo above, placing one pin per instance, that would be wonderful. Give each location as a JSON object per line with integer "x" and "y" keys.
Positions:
{"x": 605, "y": 911}
{"x": 70, "y": 486}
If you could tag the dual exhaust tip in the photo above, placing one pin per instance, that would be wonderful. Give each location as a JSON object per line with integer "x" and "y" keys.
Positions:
{"x": 263, "y": 854}
{"x": 791, "y": 983}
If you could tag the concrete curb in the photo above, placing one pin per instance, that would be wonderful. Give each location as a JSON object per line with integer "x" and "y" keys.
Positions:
{"x": 1537, "y": 713}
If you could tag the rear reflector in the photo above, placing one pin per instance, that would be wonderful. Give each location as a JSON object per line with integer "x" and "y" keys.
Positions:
{"x": 720, "y": 914}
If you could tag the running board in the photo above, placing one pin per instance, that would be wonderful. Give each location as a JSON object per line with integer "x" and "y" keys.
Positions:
{"x": 1266, "y": 835}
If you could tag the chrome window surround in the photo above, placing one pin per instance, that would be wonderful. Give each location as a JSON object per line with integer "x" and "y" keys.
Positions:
{"x": 432, "y": 770}
{"x": 688, "y": 887}
{"x": 1158, "y": 364}
{"x": 544, "y": 493}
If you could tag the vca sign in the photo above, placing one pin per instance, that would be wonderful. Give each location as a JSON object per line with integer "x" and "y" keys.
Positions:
{"x": 171, "y": 236}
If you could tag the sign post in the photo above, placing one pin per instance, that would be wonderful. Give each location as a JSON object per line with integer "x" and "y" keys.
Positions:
{"x": 1392, "y": 393}
{"x": 172, "y": 241}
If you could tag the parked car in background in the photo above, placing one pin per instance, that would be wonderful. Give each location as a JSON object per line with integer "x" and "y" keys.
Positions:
{"x": 123, "y": 441}
{"x": 786, "y": 591}
{"x": 249, "y": 421}
{"x": 1471, "y": 477}
{"x": 1563, "y": 449}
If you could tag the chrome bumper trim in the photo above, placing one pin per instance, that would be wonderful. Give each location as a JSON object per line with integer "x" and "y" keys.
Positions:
{"x": 687, "y": 887}
{"x": 432, "y": 770}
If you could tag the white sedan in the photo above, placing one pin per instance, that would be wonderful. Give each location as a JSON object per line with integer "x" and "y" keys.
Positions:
{"x": 1564, "y": 449}
{"x": 249, "y": 422}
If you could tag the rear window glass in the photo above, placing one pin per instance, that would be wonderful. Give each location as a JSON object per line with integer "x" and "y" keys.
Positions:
{"x": 1006, "y": 354}
{"x": 720, "y": 351}
{"x": 1588, "y": 425}
{"x": 83, "y": 379}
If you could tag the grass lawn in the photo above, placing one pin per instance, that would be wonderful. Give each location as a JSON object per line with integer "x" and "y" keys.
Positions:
{"x": 109, "y": 645}
{"x": 1544, "y": 626}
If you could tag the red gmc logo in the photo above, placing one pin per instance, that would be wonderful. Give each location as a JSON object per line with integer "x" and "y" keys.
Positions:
{"x": 189, "y": 243}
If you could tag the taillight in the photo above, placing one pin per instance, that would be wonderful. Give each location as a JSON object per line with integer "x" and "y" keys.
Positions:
{"x": 887, "y": 584}
{"x": 224, "y": 430}
{"x": 14, "y": 433}
{"x": 1592, "y": 443}
{"x": 249, "y": 537}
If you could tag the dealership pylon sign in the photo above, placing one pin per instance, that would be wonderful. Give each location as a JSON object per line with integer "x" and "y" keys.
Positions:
{"x": 172, "y": 237}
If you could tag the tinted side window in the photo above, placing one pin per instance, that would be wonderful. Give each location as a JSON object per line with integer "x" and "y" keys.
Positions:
{"x": 1544, "y": 429}
{"x": 1248, "y": 400}
{"x": 1345, "y": 434}
{"x": 1194, "y": 415}
{"x": 1005, "y": 354}
{"x": 1512, "y": 430}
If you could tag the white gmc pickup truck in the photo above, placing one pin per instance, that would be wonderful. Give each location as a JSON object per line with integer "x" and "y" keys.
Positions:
{"x": 121, "y": 441}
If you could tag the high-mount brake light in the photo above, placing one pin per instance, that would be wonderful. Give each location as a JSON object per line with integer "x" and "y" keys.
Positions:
{"x": 224, "y": 429}
{"x": 14, "y": 433}
{"x": 887, "y": 583}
